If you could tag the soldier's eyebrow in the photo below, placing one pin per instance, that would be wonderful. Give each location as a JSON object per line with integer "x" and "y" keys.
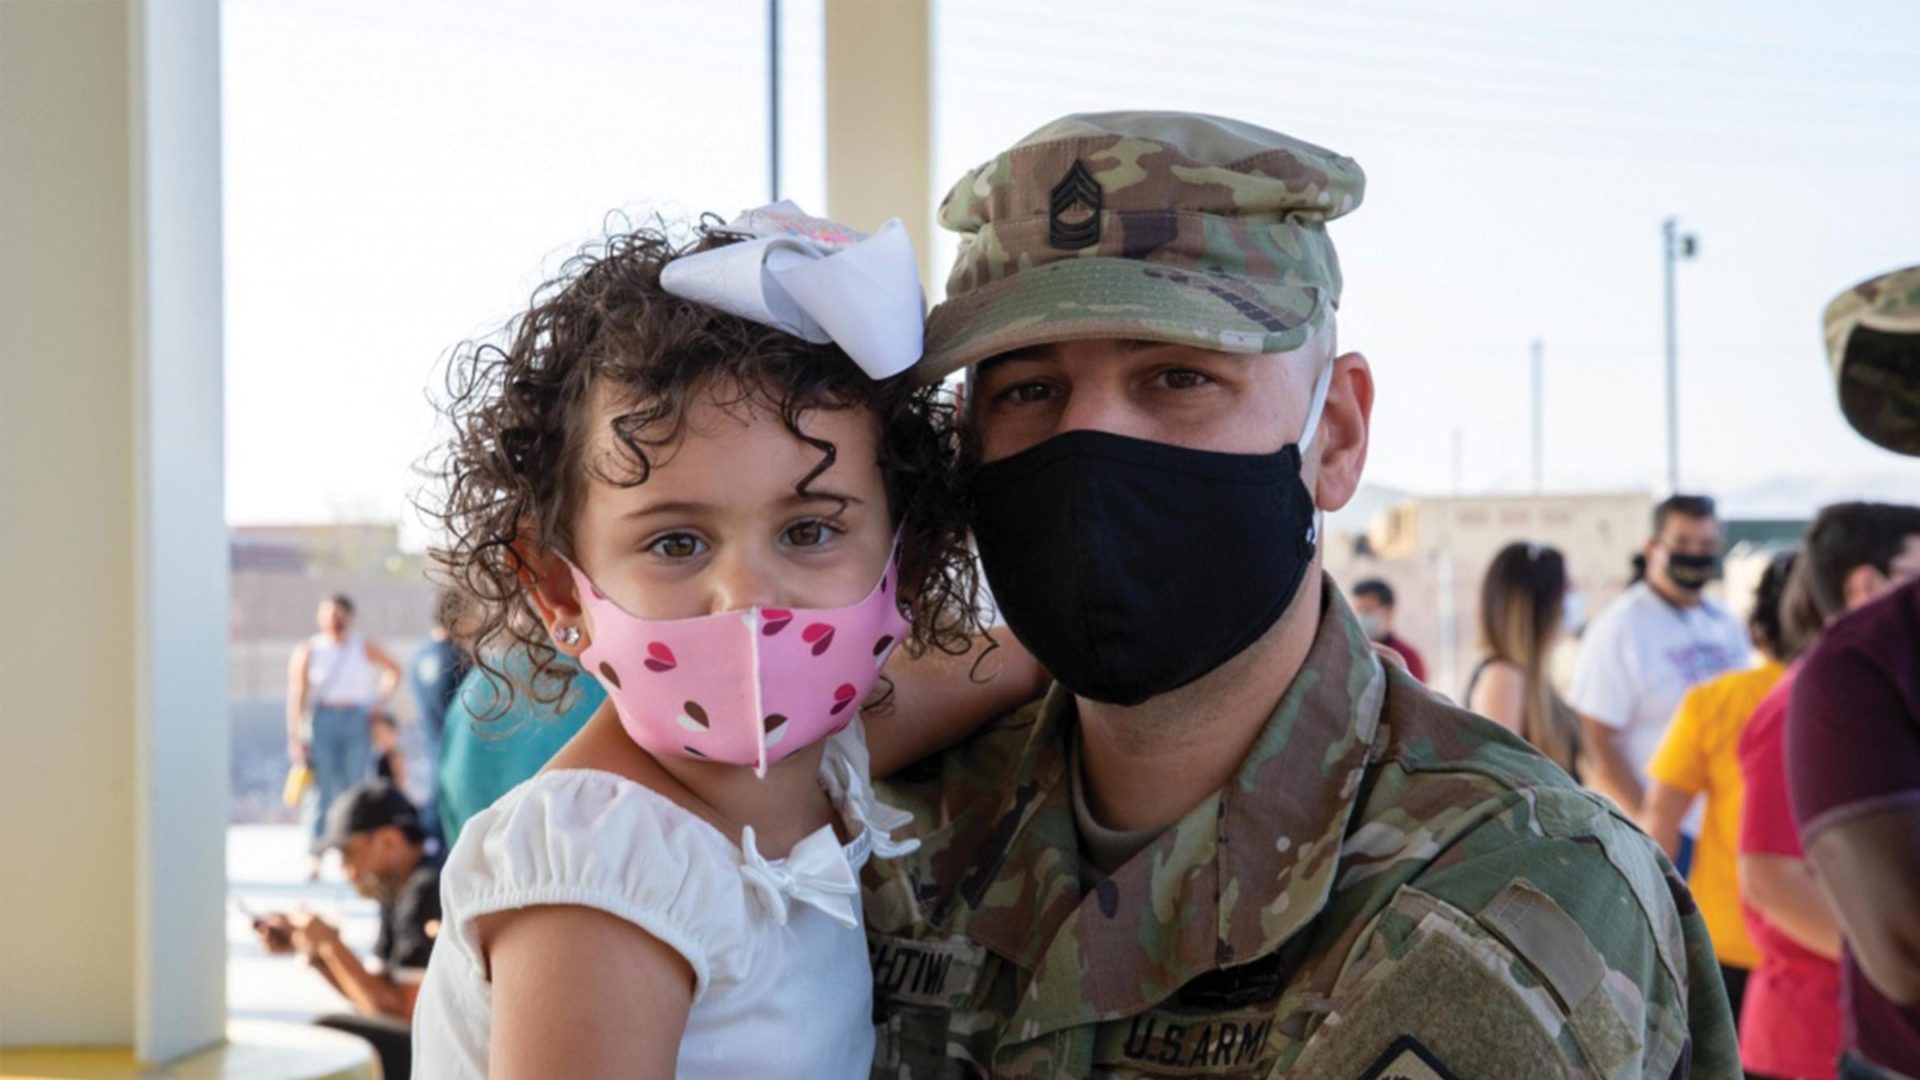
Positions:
{"x": 1033, "y": 353}
{"x": 985, "y": 369}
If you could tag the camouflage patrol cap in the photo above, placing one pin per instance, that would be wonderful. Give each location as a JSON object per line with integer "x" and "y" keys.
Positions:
{"x": 1163, "y": 226}
{"x": 1873, "y": 342}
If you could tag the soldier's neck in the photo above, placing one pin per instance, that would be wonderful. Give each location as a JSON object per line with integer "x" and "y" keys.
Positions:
{"x": 1147, "y": 765}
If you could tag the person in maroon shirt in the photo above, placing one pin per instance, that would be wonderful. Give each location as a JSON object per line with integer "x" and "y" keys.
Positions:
{"x": 1791, "y": 1023}
{"x": 1372, "y": 601}
{"x": 1853, "y": 724}
{"x": 1853, "y": 763}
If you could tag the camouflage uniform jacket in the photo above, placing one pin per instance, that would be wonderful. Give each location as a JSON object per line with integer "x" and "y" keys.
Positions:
{"x": 1389, "y": 887}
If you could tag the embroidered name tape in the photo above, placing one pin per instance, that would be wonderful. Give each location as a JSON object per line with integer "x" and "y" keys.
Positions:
{"x": 935, "y": 973}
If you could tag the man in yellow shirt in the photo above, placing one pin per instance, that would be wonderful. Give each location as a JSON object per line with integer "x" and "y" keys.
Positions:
{"x": 1699, "y": 757}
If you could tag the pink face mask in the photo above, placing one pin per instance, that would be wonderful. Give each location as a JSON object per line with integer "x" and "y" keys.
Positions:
{"x": 742, "y": 687}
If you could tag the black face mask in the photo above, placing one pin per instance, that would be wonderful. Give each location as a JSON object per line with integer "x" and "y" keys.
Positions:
{"x": 1691, "y": 572}
{"x": 1131, "y": 568}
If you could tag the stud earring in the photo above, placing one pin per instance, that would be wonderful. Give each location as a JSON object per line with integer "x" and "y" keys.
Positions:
{"x": 568, "y": 635}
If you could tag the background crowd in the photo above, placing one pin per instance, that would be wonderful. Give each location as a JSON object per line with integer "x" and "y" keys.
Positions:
{"x": 1676, "y": 710}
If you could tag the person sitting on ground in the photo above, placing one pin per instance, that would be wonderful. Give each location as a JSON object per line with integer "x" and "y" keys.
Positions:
{"x": 1373, "y": 602}
{"x": 1698, "y": 758}
{"x": 1522, "y": 617}
{"x": 382, "y": 846}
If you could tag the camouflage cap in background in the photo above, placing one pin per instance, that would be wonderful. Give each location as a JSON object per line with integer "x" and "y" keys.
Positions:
{"x": 1873, "y": 342}
{"x": 1161, "y": 226}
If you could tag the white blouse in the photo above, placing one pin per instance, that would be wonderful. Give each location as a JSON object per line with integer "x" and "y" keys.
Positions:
{"x": 782, "y": 985}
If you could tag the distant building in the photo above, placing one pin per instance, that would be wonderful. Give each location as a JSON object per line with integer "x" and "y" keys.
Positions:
{"x": 279, "y": 575}
{"x": 1434, "y": 550}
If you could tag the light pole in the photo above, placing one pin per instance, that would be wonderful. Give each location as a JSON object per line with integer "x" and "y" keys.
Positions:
{"x": 773, "y": 100}
{"x": 1677, "y": 245}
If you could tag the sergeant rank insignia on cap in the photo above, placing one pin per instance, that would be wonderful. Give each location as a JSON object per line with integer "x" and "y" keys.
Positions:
{"x": 1406, "y": 1059}
{"x": 1073, "y": 210}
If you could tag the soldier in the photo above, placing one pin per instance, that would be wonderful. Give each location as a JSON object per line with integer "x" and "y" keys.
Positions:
{"x": 1228, "y": 842}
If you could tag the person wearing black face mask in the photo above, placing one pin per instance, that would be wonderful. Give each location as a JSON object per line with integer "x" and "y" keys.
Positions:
{"x": 1228, "y": 838}
{"x": 1645, "y": 650}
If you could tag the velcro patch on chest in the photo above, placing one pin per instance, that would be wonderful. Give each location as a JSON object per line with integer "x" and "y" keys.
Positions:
{"x": 1407, "y": 1059}
{"x": 934, "y": 972}
{"x": 1430, "y": 974}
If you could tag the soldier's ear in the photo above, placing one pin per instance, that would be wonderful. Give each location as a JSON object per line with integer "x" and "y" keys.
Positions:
{"x": 1340, "y": 449}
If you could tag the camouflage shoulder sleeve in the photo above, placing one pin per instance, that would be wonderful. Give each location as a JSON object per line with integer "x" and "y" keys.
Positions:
{"x": 939, "y": 787}
{"x": 1550, "y": 932}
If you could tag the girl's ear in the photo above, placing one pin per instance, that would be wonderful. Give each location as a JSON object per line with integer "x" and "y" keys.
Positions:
{"x": 549, "y": 584}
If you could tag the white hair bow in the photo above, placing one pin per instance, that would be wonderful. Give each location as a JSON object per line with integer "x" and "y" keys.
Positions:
{"x": 816, "y": 280}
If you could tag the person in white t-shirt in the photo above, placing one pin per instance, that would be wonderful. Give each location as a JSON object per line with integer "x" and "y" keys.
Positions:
{"x": 1639, "y": 657}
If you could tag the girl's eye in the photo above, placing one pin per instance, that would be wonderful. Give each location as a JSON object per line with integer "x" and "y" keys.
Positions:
{"x": 810, "y": 533}
{"x": 677, "y": 546}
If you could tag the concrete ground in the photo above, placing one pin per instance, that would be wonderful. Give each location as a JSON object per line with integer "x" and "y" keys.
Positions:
{"x": 267, "y": 871}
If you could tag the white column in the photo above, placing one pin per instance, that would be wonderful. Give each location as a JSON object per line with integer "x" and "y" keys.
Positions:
{"x": 113, "y": 734}
{"x": 180, "y": 535}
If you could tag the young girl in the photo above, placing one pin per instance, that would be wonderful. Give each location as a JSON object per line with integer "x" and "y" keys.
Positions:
{"x": 1522, "y": 615}
{"x": 732, "y": 528}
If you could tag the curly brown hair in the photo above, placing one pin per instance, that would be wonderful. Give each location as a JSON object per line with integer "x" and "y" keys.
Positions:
{"x": 512, "y": 472}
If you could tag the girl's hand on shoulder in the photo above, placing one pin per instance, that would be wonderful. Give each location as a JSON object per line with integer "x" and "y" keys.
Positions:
{"x": 578, "y": 992}
{"x": 938, "y": 699}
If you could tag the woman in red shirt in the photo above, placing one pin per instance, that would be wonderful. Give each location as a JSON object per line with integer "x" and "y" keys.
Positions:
{"x": 1790, "y": 1020}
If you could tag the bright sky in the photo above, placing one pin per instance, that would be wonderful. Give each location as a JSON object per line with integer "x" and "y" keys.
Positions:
{"x": 400, "y": 175}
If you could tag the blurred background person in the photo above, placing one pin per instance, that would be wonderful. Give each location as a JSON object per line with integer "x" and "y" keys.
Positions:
{"x": 1373, "y": 602}
{"x": 382, "y": 845}
{"x": 389, "y": 761}
{"x": 1641, "y": 654}
{"x": 1699, "y": 758}
{"x": 487, "y": 750}
{"x": 1853, "y": 724}
{"x": 1791, "y": 1022}
{"x": 434, "y": 673}
{"x": 1523, "y": 604}
{"x": 336, "y": 680}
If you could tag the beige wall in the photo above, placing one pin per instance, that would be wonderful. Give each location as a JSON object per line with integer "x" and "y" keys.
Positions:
{"x": 880, "y": 119}
{"x": 273, "y": 612}
{"x": 66, "y": 524}
{"x": 112, "y": 553}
